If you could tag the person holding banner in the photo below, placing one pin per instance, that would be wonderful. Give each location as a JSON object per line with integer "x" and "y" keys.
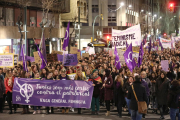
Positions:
{"x": 79, "y": 76}
{"x": 49, "y": 77}
{"x": 8, "y": 82}
{"x": 97, "y": 83}
{"x": 64, "y": 76}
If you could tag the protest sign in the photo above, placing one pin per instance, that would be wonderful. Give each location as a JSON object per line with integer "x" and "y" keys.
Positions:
{"x": 72, "y": 76}
{"x": 29, "y": 58}
{"x": 70, "y": 60}
{"x": 132, "y": 34}
{"x": 57, "y": 52}
{"x": 6, "y": 60}
{"x": 36, "y": 57}
{"x": 91, "y": 51}
{"x": 60, "y": 57}
{"x": 62, "y": 93}
{"x": 166, "y": 43}
{"x": 16, "y": 59}
{"x": 165, "y": 65}
{"x": 176, "y": 39}
{"x": 52, "y": 57}
{"x": 73, "y": 50}
{"x": 85, "y": 54}
{"x": 82, "y": 52}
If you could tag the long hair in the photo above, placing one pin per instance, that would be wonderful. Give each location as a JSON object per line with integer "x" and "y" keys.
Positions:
{"x": 7, "y": 73}
{"x": 122, "y": 81}
{"x": 76, "y": 76}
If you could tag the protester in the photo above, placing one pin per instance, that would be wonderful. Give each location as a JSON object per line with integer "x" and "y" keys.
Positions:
{"x": 162, "y": 87}
{"x": 108, "y": 93}
{"x": 174, "y": 100}
{"x": 97, "y": 83}
{"x": 2, "y": 92}
{"x": 119, "y": 94}
{"x": 141, "y": 96}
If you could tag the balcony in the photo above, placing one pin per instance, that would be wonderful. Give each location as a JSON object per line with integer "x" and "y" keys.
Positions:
{"x": 59, "y": 6}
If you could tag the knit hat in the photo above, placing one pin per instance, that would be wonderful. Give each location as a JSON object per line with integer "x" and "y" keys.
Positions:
{"x": 94, "y": 71}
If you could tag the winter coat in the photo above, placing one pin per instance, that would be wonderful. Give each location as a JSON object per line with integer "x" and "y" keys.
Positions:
{"x": 148, "y": 82}
{"x": 8, "y": 88}
{"x": 140, "y": 91}
{"x": 2, "y": 88}
{"x": 153, "y": 87}
{"x": 119, "y": 94}
{"x": 126, "y": 88}
{"x": 162, "y": 87}
{"x": 108, "y": 92}
{"x": 173, "y": 97}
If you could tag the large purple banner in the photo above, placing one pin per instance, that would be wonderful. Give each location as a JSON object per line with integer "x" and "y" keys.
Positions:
{"x": 62, "y": 93}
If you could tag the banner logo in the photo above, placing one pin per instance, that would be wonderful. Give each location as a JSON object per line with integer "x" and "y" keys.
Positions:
{"x": 26, "y": 90}
{"x": 129, "y": 59}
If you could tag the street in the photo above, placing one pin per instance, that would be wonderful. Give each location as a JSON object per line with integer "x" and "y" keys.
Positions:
{"x": 72, "y": 115}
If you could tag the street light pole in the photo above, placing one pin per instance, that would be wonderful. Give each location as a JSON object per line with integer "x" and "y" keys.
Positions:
{"x": 79, "y": 27}
{"x": 101, "y": 16}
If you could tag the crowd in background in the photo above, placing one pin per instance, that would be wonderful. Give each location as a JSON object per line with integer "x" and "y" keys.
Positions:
{"x": 160, "y": 89}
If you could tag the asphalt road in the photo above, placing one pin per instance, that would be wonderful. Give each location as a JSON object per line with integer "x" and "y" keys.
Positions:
{"x": 72, "y": 115}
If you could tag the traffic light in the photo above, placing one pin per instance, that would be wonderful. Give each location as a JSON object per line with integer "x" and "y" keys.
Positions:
{"x": 165, "y": 34}
{"x": 108, "y": 41}
{"x": 171, "y": 7}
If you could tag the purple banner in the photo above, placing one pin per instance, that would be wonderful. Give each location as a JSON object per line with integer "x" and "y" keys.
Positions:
{"x": 62, "y": 93}
{"x": 60, "y": 57}
{"x": 27, "y": 58}
{"x": 70, "y": 60}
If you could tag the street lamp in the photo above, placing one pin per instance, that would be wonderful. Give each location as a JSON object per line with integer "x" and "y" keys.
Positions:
{"x": 142, "y": 10}
{"x": 155, "y": 15}
{"x": 122, "y": 3}
{"x": 149, "y": 13}
{"x": 101, "y": 16}
{"x": 160, "y": 17}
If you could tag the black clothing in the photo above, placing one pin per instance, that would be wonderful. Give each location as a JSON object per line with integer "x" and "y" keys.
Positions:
{"x": 140, "y": 91}
{"x": 64, "y": 78}
{"x": 126, "y": 88}
{"x": 9, "y": 97}
{"x": 97, "y": 88}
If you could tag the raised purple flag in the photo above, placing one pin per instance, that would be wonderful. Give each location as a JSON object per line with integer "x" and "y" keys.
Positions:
{"x": 141, "y": 53}
{"x": 66, "y": 38}
{"x": 61, "y": 93}
{"x": 117, "y": 61}
{"x": 24, "y": 59}
{"x": 44, "y": 48}
{"x": 149, "y": 45}
{"x": 128, "y": 57}
{"x": 44, "y": 62}
{"x": 160, "y": 44}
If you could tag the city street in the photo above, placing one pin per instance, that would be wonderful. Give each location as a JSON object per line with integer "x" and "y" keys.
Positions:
{"x": 73, "y": 116}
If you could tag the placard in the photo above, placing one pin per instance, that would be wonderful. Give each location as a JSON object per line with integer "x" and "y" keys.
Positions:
{"x": 72, "y": 75}
{"x": 36, "y": 57}
{"x": 57, "y": 52}
{"x": 52, "y": 57}
{"x": 73, "y": 50}
{"x": 70, "y": 60}
{"x": 16, "y": 56}
{"x": 85, "y": 55}
{"x": 6, "y": 60}
{"x": 165, "y": 65}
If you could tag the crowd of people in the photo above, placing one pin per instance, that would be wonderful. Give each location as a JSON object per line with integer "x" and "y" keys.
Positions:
{"x": 160, "y": 89}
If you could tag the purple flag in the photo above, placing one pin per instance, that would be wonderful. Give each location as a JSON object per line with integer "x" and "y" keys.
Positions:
{"x": 126, "y": 44}
{"x": 141, "y": 52}
{"x": 134, "y": 64}
{"x": 150, "y": 45}
{"x": 44, "y": 48}
{"x": 24, "y": 59}
{"x": 44, "y": 62}
{"x": 117, "y": 61}
{"x": 66, "y": 38}
{"x": 128, "y": 57}
{"x": 160, "y": 44}
{"x": 59, "y": 93}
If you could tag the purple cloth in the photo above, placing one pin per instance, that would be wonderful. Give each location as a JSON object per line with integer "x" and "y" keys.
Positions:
{"x": 60, "y": 93}
{"x": 66, "y": 38}
{"x": 118, "y": 84}
{"x": 117, "y": 61}
{"x": 128, "y": 57}
{"x": 144, "y": 83}
{"x": 140, "y": 57}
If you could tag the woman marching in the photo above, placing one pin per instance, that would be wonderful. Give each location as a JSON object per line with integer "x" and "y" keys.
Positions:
{"x": 119, "y": 94}
{"x": 79, "y": 76}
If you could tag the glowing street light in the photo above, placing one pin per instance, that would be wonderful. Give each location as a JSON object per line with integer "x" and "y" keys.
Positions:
{"x": 122, "y": 4}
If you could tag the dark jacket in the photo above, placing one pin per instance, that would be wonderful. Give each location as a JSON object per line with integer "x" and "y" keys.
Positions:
{"x": 173, "y": 97}
{"x": 145, "y": 84}
{"x": 67, "y": 77}
{"x": 97, "y": 87}
{"x": 2, "y": 88}
{"x": 153, "y": 87}
{"x": 108, "y": 92}
{"x": 119, "y": 94}
{"x": 162, "y": 87}
{"x": 140, "y": 91}
{"x": 126, "y": 88}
